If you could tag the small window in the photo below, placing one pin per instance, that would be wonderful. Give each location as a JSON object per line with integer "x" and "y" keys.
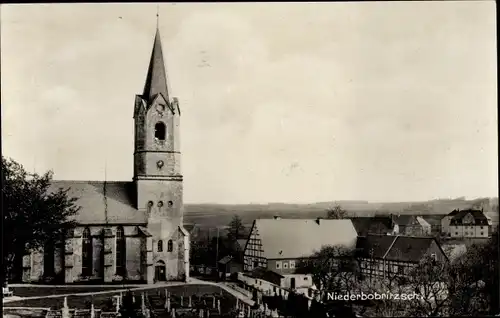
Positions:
{"x": 160, "y": 204}
{"x": 170, "y": 203}
{"x": 434, "y": 257}
{"x": 160, "y": 130}
{"x": 285, "y": 265}
{"x": 160, "y": 246}
{"x": 482, "y": 233}
{"x": 481, "y": 227}
{"x": 292, "y": 264}
{"x": 306, "y": 278}
{"x": 456, "y": 233}
{"x": 278, "y": 265}
{"x": 170, "y": 246}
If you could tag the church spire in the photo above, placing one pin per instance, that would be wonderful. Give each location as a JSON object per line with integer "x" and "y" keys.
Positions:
{"x": 156, "y": 80}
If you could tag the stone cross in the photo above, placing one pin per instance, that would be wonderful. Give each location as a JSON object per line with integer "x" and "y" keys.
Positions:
{"x": 117, "y": 303}
{"x": 65, "y": 309}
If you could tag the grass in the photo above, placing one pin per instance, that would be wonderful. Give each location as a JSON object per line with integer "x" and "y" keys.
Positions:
{"x": 104, "y": 300}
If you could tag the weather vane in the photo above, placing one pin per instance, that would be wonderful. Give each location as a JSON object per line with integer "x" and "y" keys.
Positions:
{"x": 157, "y": 14}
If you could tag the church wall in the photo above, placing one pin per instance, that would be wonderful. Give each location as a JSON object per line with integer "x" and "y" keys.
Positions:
{"x": 109, "y": 254}
{"x": 77, "y": 254}
{"x": 133, "y": 252}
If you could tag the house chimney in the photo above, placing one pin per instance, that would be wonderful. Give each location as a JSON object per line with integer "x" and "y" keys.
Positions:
{"x": 277, "y": 217}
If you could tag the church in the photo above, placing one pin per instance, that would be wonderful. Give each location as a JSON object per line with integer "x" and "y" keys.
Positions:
{"x": 127, "y": 231}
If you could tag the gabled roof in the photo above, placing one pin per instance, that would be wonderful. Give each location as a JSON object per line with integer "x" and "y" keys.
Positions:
{"x": 453, "y": 213}
{"x": 297, "y": 238}
{"x": 372, "y": 225}
{"x": 156, "y": 80}
{"x": 103, "y": 202}
{"x": 478, "y": 215}
{"x": 422, "y": 222}
{"x": 397, "y": 248}
{"x": 403, "y": 220}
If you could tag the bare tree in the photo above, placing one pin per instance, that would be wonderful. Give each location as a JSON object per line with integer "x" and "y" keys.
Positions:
{"x": 336, "y": 213}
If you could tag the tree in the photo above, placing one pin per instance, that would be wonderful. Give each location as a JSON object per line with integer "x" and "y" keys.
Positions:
{"x": 236, "y": 228}
{"x": 336, "y": 213}
{"x": 33, "y": 217}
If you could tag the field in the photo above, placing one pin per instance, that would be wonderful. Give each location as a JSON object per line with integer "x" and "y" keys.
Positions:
{"x": 215, "y": 215}
{"x": 103, "y": 300}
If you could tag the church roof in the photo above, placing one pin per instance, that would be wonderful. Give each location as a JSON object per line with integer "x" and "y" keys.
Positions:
{"x": 103, "y": 202}
{"x": 156, "y": 80}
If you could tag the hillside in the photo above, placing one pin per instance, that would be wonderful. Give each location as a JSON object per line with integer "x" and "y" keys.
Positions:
{"x": 211, "y": 215}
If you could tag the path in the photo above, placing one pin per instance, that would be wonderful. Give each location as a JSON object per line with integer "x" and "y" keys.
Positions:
{"x": 125, "y": 288}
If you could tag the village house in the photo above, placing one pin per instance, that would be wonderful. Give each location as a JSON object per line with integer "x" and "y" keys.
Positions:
{"x": 390, "y": 256}
{"x": 445, "y": 223}
{"x": 279, "y": 245}
{"x": 373, "y": 225}
{"x": 411, "y": 225}
{"x": 127, "y": 231}
{"x": 470, "y": 224}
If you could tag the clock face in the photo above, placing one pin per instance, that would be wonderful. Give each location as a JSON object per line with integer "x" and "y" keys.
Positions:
{"x": 160, "y": 164}
{"x": 160, "y": 108}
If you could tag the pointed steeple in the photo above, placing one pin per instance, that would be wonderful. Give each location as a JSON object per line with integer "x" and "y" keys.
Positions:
{"x": 156, "y": 80}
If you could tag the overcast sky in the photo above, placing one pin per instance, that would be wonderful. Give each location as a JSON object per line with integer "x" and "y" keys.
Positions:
{"x": 280, "y": 102}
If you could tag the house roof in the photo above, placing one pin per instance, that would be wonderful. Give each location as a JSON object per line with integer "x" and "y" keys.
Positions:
{"x": 422, "y": 222}
{"x": 397, "y": 248}
{"x": 103, "y": 202}
{"x": 264, "y": 274}
{"x": 453, "y": 213}
{"x": 225, "y": 259}
{"x": 403, "y": 220}
{"x": 372, "y": 225}
{"x": 297, "y": 238}
{"x": 478, "y": 215}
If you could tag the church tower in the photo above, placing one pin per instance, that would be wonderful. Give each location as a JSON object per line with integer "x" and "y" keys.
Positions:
{"x": 157, "y": 170}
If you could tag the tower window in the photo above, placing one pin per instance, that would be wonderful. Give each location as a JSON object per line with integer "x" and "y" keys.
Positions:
{"x": 170, "y": 203}
{"x": 160, "y": 246}
{"x": 150, "y": 205}
{"x": 170, "y": 246}
{"x": 160, "y": 204}
{"x": 160, "y": 131}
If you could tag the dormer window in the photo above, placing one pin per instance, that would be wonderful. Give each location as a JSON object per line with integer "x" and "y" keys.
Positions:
{"x": 160, "y": 131}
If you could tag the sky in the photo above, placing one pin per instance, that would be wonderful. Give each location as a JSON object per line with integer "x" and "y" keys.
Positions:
{"x": 281, "y": 102}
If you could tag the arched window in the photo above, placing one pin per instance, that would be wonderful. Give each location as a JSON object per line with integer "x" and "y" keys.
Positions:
{"x": 48, "y": 259}
{"x": 150, "y": 206}
{"x": 170, "y": 203}
{"x": 170, "y": 246}
{"x": 120, "y": 251}
{"x": 86, "y": 253}
{"x": 160, "y": 204}
{"x": 160, "y": 131}
{"x": 160, "y": 246}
